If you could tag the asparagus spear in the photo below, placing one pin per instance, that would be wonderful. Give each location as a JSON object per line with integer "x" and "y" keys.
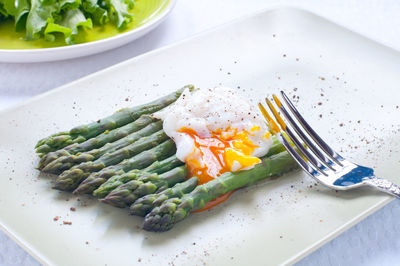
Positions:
{"x": 118, "y": 119}
{"x": 144, "y": 205}
{"x": 43, "y": 141}
{"x": 118, "y": 180}
{"x": 126, "y": 194}
{"x": 116, "y": 148}
{"x": 139, "y": 161}
{"x": 157, "y": 167}
{"x": 173, "y": 210}
{"x": 165, "y": 165}
{"x": 98, "y": 141}
{"x": 275, "y": 148}
{"x": 70, "y": 179}
{"x": 56, "y": 142}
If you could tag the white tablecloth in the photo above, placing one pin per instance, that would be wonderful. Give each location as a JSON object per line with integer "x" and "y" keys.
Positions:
{"x": 374, "y": 241}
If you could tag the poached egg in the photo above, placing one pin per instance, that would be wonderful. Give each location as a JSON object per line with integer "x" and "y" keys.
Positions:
{"x": 215, "y": 131}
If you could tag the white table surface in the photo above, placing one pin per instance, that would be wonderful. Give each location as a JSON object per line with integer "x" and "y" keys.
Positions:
{"x": 374, "y": 241}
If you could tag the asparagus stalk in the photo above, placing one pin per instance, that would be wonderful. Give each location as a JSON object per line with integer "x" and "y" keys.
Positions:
{"x": 140, "y": 161}
{"x": 99, "y": 141}
{"x": 157, "y": 167}
{"x": 118, "y": 180}
{"x": 275, "y": 148}
{"x": 165, "y": 165}
{"x": 124, "y": 195}
{"x": 56, "y": 142}
{"x": 117, "y": 148}
{"x": 144, "y": 205}
{"x": 143, "y": 149}
{"x": 118, "y": 119}
{"x": 173, "y": 210}
{"x": 43, "y": 141}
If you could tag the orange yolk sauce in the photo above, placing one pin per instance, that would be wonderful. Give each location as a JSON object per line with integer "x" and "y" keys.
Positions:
{"x": 226, "y": 150}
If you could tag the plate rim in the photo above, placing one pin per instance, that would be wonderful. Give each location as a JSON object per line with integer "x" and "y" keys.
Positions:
{"x": 289, "y": 261}
{"x": 338, "y": 231}
{"x": 24, "y": 245}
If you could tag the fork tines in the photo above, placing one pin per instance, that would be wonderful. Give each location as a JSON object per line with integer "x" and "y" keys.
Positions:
{"x": 317, "y": 158}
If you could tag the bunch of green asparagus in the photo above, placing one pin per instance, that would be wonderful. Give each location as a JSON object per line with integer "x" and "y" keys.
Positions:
{"x": 127, "y": 160}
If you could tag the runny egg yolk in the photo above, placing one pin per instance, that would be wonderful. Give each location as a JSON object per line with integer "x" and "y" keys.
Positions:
{"x": 227, "y": 150}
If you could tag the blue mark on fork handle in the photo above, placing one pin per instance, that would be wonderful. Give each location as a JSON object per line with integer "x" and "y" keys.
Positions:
{"x": 355, "y": 176}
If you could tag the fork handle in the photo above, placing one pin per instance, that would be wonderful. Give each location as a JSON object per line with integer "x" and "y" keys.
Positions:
{"x": 384, "y": 185}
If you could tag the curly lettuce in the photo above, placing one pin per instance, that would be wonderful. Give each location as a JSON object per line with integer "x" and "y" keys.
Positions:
{"x": 38, "y": 16}
{"x": 3, "y": 12}
{"x": 119, "y": 12}
{"x": 54, "y": 19}
{"x": 21, "y": 15}
{"x": 18, "y": 9}
{"x": 98, "y": 14}
{"x": 68, "y": 26}
{"x": 69, "y": 4}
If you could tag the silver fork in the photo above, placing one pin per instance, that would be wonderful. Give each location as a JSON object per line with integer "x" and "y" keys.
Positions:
{"x": 320, "y": 161}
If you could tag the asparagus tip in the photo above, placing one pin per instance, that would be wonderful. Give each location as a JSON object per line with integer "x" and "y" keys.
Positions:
{"x": 114, "y": 201}
{"x": 164, "y": 217}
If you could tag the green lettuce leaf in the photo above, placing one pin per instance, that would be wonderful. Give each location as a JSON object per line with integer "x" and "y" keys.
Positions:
{"x": 38, "y": 16}
{"x": 21, "y": 14}
{"x": 130, "y": 3}
{"x": 69, "y": 4}
{"x": 72, "y": 20}
{"x": 98, "y": 14}
{"x": 119, "y": 12}
{"x": 3, "y": 12}
{"x": 9, "y": 7}
{"x": 18, "y": 9}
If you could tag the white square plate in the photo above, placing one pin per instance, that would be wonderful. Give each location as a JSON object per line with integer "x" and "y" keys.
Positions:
{"x": 341, "y": 78}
